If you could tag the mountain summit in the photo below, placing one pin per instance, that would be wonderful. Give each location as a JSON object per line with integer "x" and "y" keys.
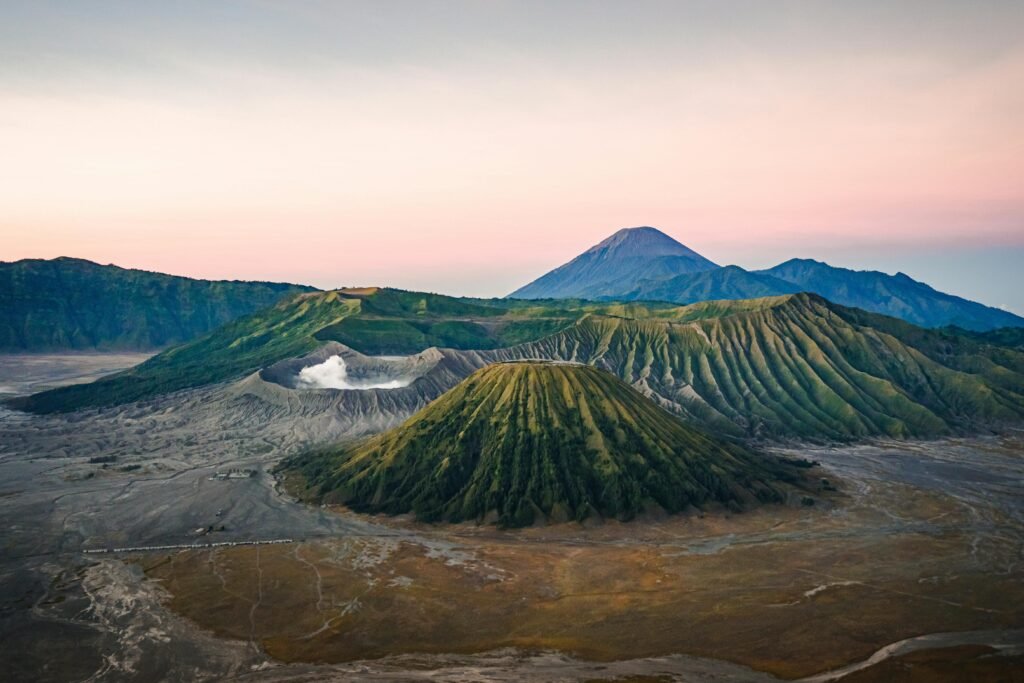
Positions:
{"x": 627, "y": 257}
{"x": 646, "y": 241}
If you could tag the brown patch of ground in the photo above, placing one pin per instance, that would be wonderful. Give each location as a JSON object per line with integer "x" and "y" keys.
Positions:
{"x": 790, "y": 592}
{"x": 961, "y": 664}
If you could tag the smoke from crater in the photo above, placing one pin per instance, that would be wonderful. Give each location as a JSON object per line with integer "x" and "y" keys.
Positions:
{"x": 332, "y": 374}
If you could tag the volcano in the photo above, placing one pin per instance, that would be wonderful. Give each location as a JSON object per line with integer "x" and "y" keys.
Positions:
{"x": 521, "y": 441}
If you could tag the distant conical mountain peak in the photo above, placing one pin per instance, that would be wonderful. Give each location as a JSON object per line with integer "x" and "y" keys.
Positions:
{"x": 617, "y": 262}
{"x": 645, "y": 264}
{"x": 644, "y": 238}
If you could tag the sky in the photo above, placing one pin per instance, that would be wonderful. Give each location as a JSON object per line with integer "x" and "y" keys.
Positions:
{"x": 467, "y": 147}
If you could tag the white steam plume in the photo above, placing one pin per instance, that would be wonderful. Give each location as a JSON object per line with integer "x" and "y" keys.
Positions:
{"x": 332, "y": 374}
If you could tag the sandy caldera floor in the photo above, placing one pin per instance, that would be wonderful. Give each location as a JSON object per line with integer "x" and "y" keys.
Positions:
{"x": 912, "y": 571}
{"x": 28, "y": 373}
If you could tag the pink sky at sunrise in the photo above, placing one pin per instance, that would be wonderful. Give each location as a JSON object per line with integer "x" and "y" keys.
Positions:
{"x": 472, "y": 170}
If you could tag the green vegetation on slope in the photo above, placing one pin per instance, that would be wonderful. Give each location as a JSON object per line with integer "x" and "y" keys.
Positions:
{"x": 69, "y": 303}
{"x": 800, "y": 366}
{"x": 1010, "y": 337}
{"x": 785, "y": 366}
{"x": 401, "y": 336}
{"x": 728, "y": 282}
{"x": 518, "y": 441}
{"x": 371, "y": 320}
{"x": 234, "y": 350}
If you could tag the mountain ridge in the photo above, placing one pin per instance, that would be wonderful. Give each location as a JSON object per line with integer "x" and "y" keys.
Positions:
{"x": 799, "y": 365}
{"x": 601, "y": 274}
{"x": 77, "y": 304}
{"x": 897, "y": 295}
{"x": 727, "y": 282}
{"x": 790, "y": 366}
{"x": 376, "y": 321}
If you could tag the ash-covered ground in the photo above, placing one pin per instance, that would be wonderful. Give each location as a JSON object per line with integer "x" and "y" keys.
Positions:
{"x": 919, "y": 550}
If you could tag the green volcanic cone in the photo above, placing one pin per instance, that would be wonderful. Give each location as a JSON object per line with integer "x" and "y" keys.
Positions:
{"x": 515, "y": 442}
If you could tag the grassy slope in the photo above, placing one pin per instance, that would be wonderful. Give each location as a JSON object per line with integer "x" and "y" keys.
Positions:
{"x": 800, "y": 366}
{"x": 528, "y": 439}
{"x": 236, "y": 349}
{"x": 373, "y": 321}
{"x": 792, "y": 365}
{"x": 398, "y": 322}
{"x": 1011, "y": 337}
{"x": 728, "y": 282}
{"x": 75, "y": 304}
